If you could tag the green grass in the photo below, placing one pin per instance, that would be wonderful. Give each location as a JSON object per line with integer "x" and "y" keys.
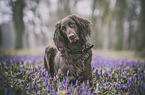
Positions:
{"x": 27, "y": 52}
{"x": 133, "y": 55}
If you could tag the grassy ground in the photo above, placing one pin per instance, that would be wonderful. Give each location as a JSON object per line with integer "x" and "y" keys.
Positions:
{"x": 22, "y": 75}
{"x": 27, "y": 52}
{"x": 133, "y": 55}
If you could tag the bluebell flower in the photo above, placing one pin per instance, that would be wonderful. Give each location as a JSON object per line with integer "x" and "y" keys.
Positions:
{"x": 64, "y": 81}
{"x": 67, "y": 72}
{"x": 118, "y": 78}
{"x": 113, "y": 76}
{"x": 126, "y": 72}
{"x": 58, "y": 83}
{"x": 97, "y": 86}
{"x": 76, "y": 83}
{"x": 68, "y": 81}
{"x": 120, "y": 86}
{"x": 48, "y": 89}
{"x": 116, "y": 86}
{"x": 62, "y": 85}
{"x": 46, "y": 74}
{"x": 69, "y": 90}
{"x": 130, "y": 73}
{"x": 101, "y": 71}
{"x": 11, "y": 66}
{"x": 5, "y": 91}
{"x": 33, "y": 85}
{"x": 14, "y": 86}
{"x": 128, "y": 81}
{"x": 126, "y": 86}
{"x": 71, "y": 85}
{"x": 40, "y": 86}
{"x": 131, "y": 79}
{"x": 77, "y": 92}
{"x": 89, "y": 92}
{"x": 29, "y": 87}
{"x": 110, "y": 70}
{"x": 87, "y": 82}
{"x": 32, "y": 70}
{"x": 53, "y": 91}
{"x": 57, "y": 76}
{"x": 136, "y": 90}
{"x": 39, "y": 76}
{"x": 45, "y": 83}
{"x": 83, "y": 88}
{"x": 35, "y": 80}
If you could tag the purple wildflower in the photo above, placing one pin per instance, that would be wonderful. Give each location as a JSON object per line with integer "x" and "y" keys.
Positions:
{"x": 14, "y": 86}
{"x": 77, "y": 92}
{"x": 35, "y": 80}
{"x": 136, "y": 90}
{"x": 126, "y": 72}
{"x": 89, "y": 92}
{"x": 33, "y": 85}
{"x": 62, "y": 85}
{"x": 29, "y": 88}
{"x": 87, "y": 82}
{"x": 58, "y": 83}
{"x": 101, "y": 71}
{"x": 57, "y": 76}
{"x": 97, "y": 86}
{"x": 49, "y": 89}
{"x": 76, "y": 82}
{"x": 11, "y": 66}
{"x": 36, "y": 87}
{"x": 53, "y": 91}
{"x": 39, "y": 85}
{"x": 6, "y": 91}
{"x": 83, "y": 88}
{"x": 69, "y": 90}
{"x": 113, "y": 76}
{"x": 118, "y": 78}
{"x": 67, "y": 72}
{"x": 120, "y": 86}
{"x": 126, "y": 86}
{"x": 64, "y": 81}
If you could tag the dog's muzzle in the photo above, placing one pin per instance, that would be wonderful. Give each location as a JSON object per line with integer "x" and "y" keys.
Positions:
{"x": 73, "y": 37}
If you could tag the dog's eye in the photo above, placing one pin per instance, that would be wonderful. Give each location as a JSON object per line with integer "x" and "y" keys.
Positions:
{"x": 63, "y": 28}
{"x": 71, "y": 24}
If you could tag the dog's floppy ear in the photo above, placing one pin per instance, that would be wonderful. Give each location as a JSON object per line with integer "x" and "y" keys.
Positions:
{"x": 57, "y": 38}
{"x": 83, "y": 25}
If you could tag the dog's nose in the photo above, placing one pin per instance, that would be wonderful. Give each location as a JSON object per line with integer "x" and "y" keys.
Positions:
{"x": 71, "y": 36}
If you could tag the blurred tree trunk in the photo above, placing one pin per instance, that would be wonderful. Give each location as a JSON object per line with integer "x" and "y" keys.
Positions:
{"x": 131, "y": 17}
{"x": 63, "y": 8}
{"x": 120, "y": 8}
{"x": 130, "y": 35}
{"x": 141, "y": 28}
{"x": 95, "y": 37}
{"x": 0, "y": 36}
{"x": 18, "y": 7}
{"x": 109, "y": 34}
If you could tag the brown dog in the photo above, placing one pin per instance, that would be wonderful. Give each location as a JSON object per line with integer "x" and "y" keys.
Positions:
{"x": 72, "y": 51}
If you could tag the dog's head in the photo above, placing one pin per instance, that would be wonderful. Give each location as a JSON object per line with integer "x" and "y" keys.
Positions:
{"x": 70, "y": 30}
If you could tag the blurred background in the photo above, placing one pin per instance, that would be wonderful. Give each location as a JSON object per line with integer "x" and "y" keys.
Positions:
{"x": 28, "y": 25}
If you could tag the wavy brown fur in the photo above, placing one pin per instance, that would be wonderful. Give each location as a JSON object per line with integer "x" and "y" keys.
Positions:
{"x": 60, "y": 60}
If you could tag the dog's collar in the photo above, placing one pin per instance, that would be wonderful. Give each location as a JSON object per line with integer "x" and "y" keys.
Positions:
{"x": 87, "y": 47}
